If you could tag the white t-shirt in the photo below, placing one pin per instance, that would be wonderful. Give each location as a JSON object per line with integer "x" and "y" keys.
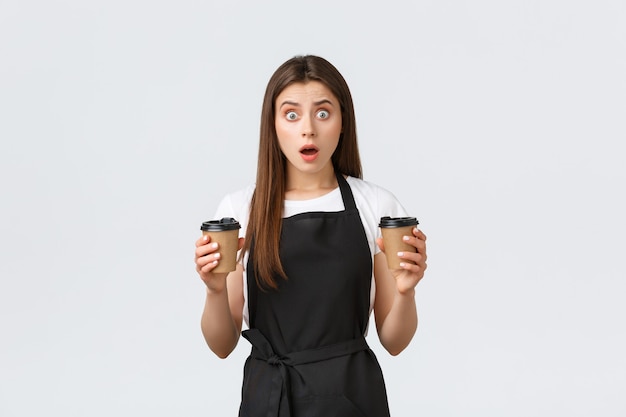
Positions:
{"x": 372, "y": 201}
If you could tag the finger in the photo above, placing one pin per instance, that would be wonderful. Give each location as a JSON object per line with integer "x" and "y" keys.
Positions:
{"x": 415, "y": 262}
{"x": 419, "y": 244}
{"x": 209, "y": 267}
{"x": 241, "y": 242}
{"x": 419, "y": 234}
{"x": 413, "y": 257}
{"x": 206, "y": 249}
{"x": 207, "y": 260}
{"x": 203, "y": 240}
{"x": 416, "y": 269}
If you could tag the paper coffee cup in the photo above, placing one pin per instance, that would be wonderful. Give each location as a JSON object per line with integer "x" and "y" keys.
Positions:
{"x": 393, "y": 229}
{"x": 226, "y": 233}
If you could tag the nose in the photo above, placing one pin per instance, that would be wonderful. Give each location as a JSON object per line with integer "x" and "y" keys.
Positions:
{"x": 308, "y": 127}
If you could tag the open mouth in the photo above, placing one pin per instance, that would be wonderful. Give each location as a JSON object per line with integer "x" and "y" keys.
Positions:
{"x": 308, "y": 150}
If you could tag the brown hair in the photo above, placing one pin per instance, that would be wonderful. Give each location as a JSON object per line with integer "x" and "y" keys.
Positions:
{"x": 266, "y": 207}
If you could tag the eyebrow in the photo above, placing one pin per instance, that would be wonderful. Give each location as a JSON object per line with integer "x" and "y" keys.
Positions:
{"x": 316, "y": 103}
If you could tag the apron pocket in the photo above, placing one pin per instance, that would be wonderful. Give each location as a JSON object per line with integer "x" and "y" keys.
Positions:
{"x": 327, "y": 406}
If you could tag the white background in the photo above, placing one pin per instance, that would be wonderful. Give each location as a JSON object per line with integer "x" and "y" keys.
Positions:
{"x": 497, "y": 123}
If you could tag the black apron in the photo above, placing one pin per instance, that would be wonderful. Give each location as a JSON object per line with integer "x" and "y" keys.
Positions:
{"x": 309, "y": 357}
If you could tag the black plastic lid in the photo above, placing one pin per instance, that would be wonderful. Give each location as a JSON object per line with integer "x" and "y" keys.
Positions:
{"x": 226, "y": 223}
{"x": 391, "y": 222}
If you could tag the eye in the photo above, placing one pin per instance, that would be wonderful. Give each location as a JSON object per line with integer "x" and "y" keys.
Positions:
{"x": 291, "y": 115}
{"x": 323, "y": 114}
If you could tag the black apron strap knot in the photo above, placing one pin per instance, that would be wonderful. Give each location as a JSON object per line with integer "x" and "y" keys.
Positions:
{"x": 262, "y": 350}
{"x": 275, "y": 360}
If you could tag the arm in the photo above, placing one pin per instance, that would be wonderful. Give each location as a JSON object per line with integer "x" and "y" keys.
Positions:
{"x": 223, "y": 309}
{"x": 394, "y": 306}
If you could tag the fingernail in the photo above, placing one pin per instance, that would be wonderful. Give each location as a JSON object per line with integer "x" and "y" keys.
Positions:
{"x": 214, "y": 245}
{"x": 402, "y": 264}
{"x": 405, "y": 238}
{"x": 217, "y": 256}
{"x": 205, "y": 238}
{"x": 400, "y": 254}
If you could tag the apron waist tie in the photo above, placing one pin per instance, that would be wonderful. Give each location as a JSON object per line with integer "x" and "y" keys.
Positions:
{"x": 262, "y": 350}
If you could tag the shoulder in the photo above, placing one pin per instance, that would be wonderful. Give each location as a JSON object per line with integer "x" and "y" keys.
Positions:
{"x": 374, "y": 200}
{"x": 240, "y": 197}
{"x": 370, "y": 189}
{"x": 236, "y": 204}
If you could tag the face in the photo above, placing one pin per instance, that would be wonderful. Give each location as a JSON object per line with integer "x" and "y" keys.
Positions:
{"x": 308, "y": 124}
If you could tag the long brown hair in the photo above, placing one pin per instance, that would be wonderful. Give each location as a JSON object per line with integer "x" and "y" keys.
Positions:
{"x": 266, "y": 207}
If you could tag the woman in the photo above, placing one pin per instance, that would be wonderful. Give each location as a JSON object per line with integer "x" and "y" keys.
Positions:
{"x": 314, "y": 266}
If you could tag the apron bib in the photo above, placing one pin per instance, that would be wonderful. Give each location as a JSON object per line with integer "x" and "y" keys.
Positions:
{"x": 309, "y": 357}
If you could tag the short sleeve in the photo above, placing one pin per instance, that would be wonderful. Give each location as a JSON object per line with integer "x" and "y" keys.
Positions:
{"x": 373, "y": 203}
{"x": 237, "y": 206}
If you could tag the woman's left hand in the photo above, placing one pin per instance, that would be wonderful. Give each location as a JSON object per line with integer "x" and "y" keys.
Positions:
{"x": 412, "y": 271}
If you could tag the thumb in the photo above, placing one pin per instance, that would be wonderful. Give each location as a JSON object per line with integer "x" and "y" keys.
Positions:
{"x": 241, "y": 241}
{"x": 379, "y": 242}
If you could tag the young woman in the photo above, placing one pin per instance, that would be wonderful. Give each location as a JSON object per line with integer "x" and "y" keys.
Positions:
{"x": 312, "y": 265}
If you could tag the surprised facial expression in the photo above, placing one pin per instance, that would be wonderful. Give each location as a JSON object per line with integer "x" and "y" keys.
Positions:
{"x": 308, "y": 125}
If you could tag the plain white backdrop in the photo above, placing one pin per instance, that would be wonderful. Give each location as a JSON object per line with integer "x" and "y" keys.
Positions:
{"x": 497, "y": 123}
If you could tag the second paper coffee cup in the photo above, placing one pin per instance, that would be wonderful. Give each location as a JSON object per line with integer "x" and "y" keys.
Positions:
{"x": 393, "y": 229}
{"x": 226, "y": 233}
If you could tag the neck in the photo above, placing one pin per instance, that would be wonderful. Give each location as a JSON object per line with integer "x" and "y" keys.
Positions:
{"x": 303, "y": 185}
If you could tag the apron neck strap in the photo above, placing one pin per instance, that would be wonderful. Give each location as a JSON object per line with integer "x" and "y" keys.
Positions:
{"x": 346, "y": 192}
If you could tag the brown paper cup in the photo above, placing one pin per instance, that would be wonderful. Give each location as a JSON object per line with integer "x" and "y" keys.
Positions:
{"x": 392, "y": 239}
{"x": 228, "y": 242}
{"x": 227, "y": 239}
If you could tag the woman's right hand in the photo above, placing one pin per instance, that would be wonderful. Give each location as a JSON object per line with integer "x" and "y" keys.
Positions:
{"x": 206, "y": 259}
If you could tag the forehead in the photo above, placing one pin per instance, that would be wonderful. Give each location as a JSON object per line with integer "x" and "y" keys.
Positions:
{"x": 304, "y": 92}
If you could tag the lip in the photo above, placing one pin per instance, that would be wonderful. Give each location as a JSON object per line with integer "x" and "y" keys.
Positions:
{"x": 309, "y": 157}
